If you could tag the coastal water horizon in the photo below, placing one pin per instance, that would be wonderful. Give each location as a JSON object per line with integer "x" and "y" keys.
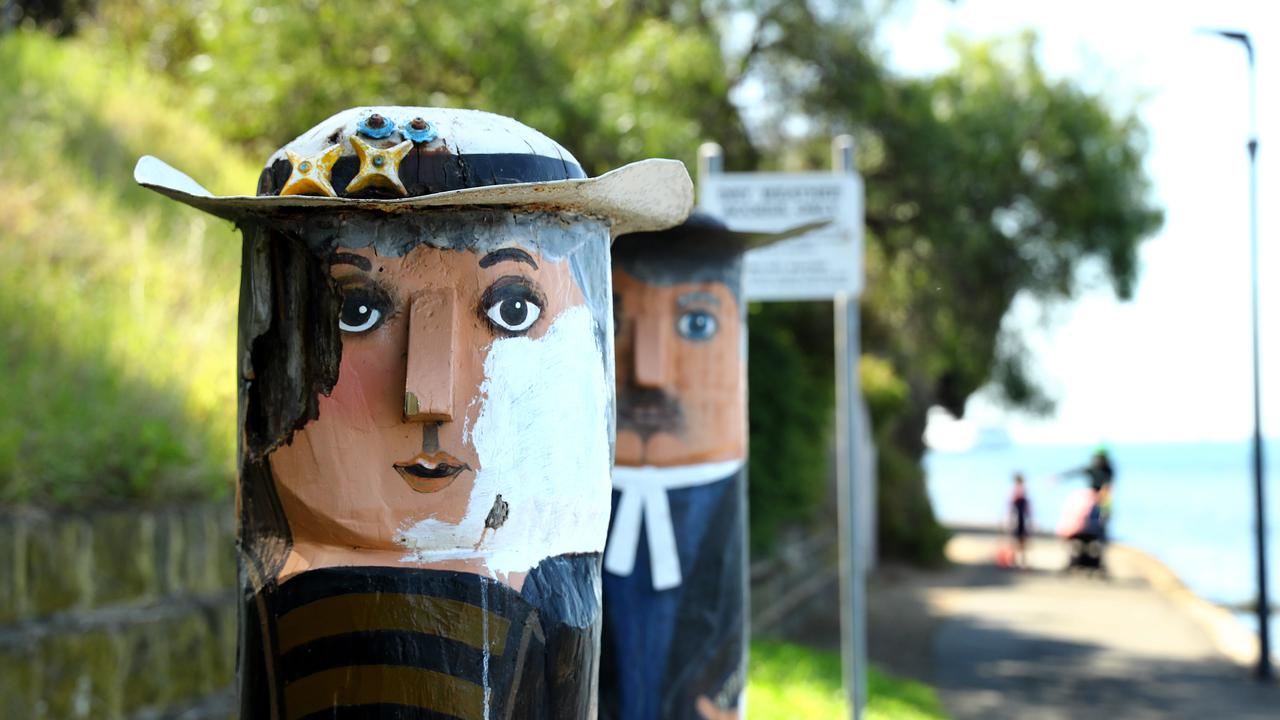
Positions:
{"x": 1189, "y": 504}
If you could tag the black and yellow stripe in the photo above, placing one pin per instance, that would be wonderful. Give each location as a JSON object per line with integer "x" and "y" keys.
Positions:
{"x": 400, "y": 643}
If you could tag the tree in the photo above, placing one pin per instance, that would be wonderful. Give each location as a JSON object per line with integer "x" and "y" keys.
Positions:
{"x": 987, "y": 181}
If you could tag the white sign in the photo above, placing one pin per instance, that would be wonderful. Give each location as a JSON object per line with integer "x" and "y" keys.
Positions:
{"x": 814, "y": 266}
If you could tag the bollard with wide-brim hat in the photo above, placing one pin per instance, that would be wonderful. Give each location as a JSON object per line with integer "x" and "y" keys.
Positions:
{"x": 675, "y": 584}
{"x": 426, "y": 401}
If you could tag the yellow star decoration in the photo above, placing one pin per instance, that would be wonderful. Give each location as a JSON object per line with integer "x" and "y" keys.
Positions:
{"x": 378, "y": 166}
{"x": 311, "y": 174}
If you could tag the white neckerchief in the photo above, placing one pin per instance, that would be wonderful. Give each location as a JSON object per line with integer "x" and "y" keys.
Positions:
{"x": 644, "y": 494}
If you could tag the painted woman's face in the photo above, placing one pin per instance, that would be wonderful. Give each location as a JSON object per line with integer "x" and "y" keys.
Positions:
{"x": 681, "y": 375}
{"x": 468, "y": 426}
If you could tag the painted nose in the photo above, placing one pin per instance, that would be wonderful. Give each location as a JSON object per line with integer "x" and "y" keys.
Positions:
{"x": 652, "y": 351}
{"x": 428, "y": 382}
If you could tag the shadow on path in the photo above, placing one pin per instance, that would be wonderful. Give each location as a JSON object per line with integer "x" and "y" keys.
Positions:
{"x": 1041, "y": 644}
{"x": 985, "y": 671}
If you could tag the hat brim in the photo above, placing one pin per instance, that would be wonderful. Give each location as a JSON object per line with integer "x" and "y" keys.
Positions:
{"x": 703, "y": 226}
{"x": 644, "y": 196}
{"x": 753, "y": 240}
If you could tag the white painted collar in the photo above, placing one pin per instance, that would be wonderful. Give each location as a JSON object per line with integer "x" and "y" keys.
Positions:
{"x": 644, "y": 496}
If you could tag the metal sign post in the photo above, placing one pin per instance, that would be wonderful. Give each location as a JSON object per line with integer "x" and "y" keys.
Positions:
{"x": 853, "y": 585}
{"x": 823, "y": 264}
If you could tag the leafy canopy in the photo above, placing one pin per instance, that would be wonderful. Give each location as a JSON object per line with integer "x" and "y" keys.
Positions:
{"x": 613, "y": 83}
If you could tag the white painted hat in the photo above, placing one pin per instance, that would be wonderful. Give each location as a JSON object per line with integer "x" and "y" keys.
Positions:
{"x": 406, "y": 159}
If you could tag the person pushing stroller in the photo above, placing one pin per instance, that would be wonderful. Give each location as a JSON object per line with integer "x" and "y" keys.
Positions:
{"x": 1087, "y": 515}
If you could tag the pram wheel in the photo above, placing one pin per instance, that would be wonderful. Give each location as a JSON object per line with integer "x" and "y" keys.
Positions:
{"x": 1086, "y": 550}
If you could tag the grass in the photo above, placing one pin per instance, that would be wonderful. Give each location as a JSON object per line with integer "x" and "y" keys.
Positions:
{"x": 791, "y": 681}
{"x": 117, "y": 306}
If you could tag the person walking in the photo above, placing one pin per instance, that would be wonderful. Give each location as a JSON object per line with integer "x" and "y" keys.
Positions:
{"x": 1019, "y": 520}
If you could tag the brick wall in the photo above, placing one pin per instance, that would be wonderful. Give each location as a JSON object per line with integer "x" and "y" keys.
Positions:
{"x": 125, "y": 614}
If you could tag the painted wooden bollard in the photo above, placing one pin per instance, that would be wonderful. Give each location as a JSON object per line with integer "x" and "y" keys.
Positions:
{"x": 426, "y": 399}
{"x": 675, "y": 564}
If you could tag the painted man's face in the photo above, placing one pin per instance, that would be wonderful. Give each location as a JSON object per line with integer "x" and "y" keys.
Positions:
{"x": 681, "y": 375}
{"x": 467, "y": 429}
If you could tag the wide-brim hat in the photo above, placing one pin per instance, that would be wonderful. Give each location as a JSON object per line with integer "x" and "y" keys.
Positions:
{"x": 411, "y": 159}
{"x": 705, "y": 227}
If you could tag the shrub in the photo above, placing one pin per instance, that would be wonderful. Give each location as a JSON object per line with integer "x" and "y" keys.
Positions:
{"x": 117, "y": 305}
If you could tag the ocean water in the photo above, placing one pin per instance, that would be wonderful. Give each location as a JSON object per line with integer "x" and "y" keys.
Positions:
{"x": 1190, "y": 505}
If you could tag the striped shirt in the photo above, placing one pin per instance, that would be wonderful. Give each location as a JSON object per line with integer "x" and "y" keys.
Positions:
{"x": 378, "y": 642}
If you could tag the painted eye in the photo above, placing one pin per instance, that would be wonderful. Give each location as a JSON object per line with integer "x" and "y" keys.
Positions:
{"x": 513, "y": 314}
{"x": 361, "y": 312}
{"x": 512, "y": 304}
{"x": 697, "y": 325}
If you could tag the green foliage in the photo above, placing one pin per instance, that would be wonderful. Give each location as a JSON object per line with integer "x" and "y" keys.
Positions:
{"x": 885, "y": 393}
{"x": 791, "y": 681}
{"x": 983, "y": 182}
{"x": 613, "y": 84}
{"x": 1022, "y": 181}
{"x": 791, "y": 419}
{"x": 117, "y": 306}
{"x": 908, "y": 528}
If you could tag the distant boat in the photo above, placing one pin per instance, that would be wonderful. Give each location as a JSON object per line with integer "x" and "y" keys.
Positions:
{"x": 945, "y": 434}
{"x": 991, "y": 437}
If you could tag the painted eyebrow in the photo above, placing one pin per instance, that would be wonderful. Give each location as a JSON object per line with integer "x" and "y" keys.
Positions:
{"x": 695, "y": 298}
{"x": 505, "y": 254}
{"x": 351, "y": 259}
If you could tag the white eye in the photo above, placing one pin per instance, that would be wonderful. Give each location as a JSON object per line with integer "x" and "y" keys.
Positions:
{"x": 513, "y": 314}
{"x": 359, "y": 314}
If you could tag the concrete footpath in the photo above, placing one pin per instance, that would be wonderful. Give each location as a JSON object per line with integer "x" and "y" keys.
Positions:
{"x": 1037, "y": 643}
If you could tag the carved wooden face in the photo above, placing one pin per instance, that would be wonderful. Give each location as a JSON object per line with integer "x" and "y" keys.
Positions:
{"x": 468, "y": 426}
{"x": 681, "y": 373}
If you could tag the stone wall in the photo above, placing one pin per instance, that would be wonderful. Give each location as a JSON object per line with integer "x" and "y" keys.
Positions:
{"x": 110, "y": 614}
{"x": 131, "y": 614}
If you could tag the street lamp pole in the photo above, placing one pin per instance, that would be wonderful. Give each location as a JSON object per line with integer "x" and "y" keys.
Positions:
{"x": 1264, "y": 671}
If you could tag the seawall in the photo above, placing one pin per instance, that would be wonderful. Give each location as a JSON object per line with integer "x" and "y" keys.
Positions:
{"x": 117, "y": 614}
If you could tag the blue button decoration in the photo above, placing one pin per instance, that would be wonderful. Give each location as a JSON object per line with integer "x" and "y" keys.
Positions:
{"x": 420, "y": 131}
{"x": 375, "y": 126}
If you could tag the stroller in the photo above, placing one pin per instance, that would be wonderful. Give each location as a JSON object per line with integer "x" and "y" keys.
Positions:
{"x": 1086, "y": 553}
{"x": 1088, "y": 540}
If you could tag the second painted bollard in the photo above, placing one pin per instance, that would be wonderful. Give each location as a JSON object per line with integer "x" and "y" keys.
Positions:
{"x": 675, "y": 566}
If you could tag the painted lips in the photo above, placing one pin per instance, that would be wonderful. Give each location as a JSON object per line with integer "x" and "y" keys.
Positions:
{"x": 430, "y": 472}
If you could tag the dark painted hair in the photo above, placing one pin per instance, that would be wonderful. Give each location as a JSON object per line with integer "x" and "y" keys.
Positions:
{"x": 702, "y": 250}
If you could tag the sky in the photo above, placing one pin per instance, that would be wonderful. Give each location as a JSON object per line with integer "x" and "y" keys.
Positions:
{"x": 1174, "y": 363}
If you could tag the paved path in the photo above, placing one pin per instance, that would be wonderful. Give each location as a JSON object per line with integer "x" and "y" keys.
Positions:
{"x": 1038, "y": 644}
